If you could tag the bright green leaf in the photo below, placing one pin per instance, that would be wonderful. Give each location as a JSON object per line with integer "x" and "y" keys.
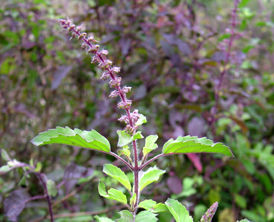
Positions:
{"x": 117, "y": 174}
{"x": 146, "y": 216}
{"x": 151, "y": 175}
{"x": 103, "y": 219}
{"x": 147, "y": 204}
{"x": 132, "y": 200}
{"x": 193, "y": 144}
{"x": 138, "y": 135}
{"x": 142, "y": 120}
{"x": 152, "y": 206}
{"x": 159, "y": 207}
{"x": 5, "y": 155}
{"x": 124, "y": 138}
{"x": 51, "y": 186}
{"x": 150, "y": 144}
{"x": 4, "y": 169}
{"x": 178, "y": 211}
{"x": 125, "y": 151}
{"x": 112, "y": 194}
{"x": 82, "y": 138}
{"x": 125, "y": 216}
{"x": 117, "y": 195}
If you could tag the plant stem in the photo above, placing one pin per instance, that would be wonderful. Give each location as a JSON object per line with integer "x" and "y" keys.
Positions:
{"x": 229, "y": 46}
{"x": 40, "y": 177}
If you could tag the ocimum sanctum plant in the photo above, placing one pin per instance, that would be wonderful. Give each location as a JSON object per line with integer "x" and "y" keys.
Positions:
{"x": 136, "y": 159}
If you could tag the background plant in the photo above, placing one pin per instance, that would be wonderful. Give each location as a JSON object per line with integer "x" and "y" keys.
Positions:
{"x": 30, "y": 93}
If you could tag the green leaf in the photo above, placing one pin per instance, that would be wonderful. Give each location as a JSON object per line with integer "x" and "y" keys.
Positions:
{"x": 4, "y": 169}
{"x": 193, "y": 144}
{"x": 125, "y": 216}
{"x": 124, "y": 138}
{"x": 103, "y": 219}
{"x": 240, "y": 200}
{"x": 112, "y": 194}
{"x": 151, "y": 175}
{"x": 138, "y": 135}
{"x": 159, "y": 207}
{"x": 178, "y": 211}
{"x": 142, "y": 120}
{"x": 5, "y": 155}
{"x": 150, "y": 144}
{"x": 51, "y": 186}
{"x": 147, "y": 204}
{"x": 132, "y": 200}
{"x": 125, "y": 151}
{"x": 146, "y": 216}
{"x": 152, "y": 206}
{"x": 82, "y": 138}
{"x": 117, "y": 174}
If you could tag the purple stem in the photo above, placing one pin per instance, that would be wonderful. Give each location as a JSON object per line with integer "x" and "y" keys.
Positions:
{"x": 40, "y": 177}
{"x": 229, "y": 46}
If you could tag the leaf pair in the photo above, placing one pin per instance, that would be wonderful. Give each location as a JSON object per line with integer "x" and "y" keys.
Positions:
{"x": 94, "y": 140}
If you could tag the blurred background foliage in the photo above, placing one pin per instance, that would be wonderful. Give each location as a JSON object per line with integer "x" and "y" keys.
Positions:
{"x": 172, "y": 53}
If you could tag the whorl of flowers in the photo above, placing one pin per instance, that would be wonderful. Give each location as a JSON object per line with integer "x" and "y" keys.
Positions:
{"x": 110, "y": 72}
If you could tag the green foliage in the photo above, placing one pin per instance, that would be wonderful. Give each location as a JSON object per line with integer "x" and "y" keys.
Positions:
{"x": 117, "y": 174}
{"x": 112, "y": 193}
{"x": 150, "y": 144}
{"x": 146, "y": 216}
{"x": 152, "y": 175}
{"x": 86, "y": 139}
{"x": 178, "y": 211}
{"x": 175, "y": 74}
{"x": 193, "y": 144}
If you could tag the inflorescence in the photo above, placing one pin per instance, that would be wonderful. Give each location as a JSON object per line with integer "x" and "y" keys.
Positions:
{"x": 110, "y": 72}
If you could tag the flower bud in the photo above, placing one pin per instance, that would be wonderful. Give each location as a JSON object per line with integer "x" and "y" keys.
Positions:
{"x": 113, "y": 94}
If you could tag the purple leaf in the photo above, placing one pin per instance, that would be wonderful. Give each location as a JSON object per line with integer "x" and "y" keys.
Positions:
{"x": 59, "y": 75}
{"x": 125, "y": 45}
{"x": 74, "y": 172}
{"x": 196, "y": 127}
{"x": 195, "y": 159}
{"x": 174, "y": 184}
{"x": 15, "y": 203}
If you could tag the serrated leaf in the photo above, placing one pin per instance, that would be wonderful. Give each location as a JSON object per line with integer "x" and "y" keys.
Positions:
{"x": 146, "y": 216}
{"x": 150, "y": 144}
{"x": 117, "y": 174}
{"x": 193, "y": 144}
{"x": 125, "y": 216}
{"x": 82, "y": 138}
{"x": 123, "y": 138}
{"x": 178, "y": 211}
{"x": 51, "y": 186}
{"x": 112, "y": 194}
{"x": 142, "y": 120}
{"x": 151, "y": 175}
